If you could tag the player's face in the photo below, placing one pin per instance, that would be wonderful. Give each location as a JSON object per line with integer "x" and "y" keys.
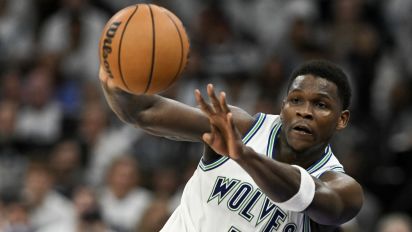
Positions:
{"x": 311, "y": 113}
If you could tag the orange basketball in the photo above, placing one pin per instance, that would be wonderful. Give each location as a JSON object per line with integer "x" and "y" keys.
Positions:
{"x": 144, "y": 49}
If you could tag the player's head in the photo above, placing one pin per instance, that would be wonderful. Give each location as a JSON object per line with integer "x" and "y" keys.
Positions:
{"x": 316, "y": 105}
{"x": 328, "y": 71}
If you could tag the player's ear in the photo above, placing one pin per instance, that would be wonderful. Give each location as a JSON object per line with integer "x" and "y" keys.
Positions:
{"x": 343, "y": 120}
{"x": 281, "y": 108}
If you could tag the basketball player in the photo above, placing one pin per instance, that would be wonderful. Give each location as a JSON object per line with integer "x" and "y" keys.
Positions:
{"x": 263, "y": 172}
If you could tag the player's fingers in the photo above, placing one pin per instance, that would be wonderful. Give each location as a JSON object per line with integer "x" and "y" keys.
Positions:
{"x": 231, "y": 130}
{"x": 106, "y": 81}
{"x": 213, "y": 98}
{"x": 111, "y": 85}
{"x": 212, "y": 134}
{"x": 223, "y": 103}
{"x": 207, "y": 138}
{"x": 215, "y": 129}
{"x": 231, "y": 125}
{"x": 205, "y": 107}
{"x": 102, "y": 76}
{"x": 233, "y": 138}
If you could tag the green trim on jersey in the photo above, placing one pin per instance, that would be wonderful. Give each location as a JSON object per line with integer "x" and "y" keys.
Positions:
{"x": 215, "y": 164}
{"x": 272, "y": 139}
{"x": 254, "y": 129}
{"x": 322, "y": 162}
{"x": 306, "y": 224}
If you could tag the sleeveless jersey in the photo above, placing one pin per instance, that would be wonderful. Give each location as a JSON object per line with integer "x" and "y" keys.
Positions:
{"x": 222, "y": 197}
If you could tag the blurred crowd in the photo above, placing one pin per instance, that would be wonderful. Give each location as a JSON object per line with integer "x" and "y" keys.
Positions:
{"x": 68, "y": 164}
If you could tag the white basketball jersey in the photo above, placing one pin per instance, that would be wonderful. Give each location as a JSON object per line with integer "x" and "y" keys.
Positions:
{"x": 222, "y": 197}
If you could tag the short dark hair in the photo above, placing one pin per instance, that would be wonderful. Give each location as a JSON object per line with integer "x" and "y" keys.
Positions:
{"x": 329, "y": 71}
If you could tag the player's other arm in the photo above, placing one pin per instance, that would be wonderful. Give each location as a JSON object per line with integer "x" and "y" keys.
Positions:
{"x": 162, "y": 116}
{"x": 337, "y": 198}
{"x": 157, "y": 115}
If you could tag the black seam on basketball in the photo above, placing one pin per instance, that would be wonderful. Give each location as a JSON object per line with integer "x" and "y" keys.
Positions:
{"x": 153, "y": 49}
{"x": 181, "y": 51}
{"x": 120, "y": 46}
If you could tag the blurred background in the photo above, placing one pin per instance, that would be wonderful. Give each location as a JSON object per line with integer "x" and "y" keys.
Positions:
{"x": 68, "y": 164}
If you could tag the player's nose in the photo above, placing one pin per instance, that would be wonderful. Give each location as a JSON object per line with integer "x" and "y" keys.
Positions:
{"x": 305, "y": 111}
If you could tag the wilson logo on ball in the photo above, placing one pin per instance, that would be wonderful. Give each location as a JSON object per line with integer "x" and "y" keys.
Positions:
{"x": 107, "y": 46}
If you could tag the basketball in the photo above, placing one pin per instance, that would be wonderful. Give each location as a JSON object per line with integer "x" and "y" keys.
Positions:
{"x": 143, "y": 49}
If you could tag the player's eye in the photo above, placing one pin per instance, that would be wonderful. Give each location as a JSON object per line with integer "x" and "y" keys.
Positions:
{"x": 295, "y": 100}
{"x": 321, "y": 105}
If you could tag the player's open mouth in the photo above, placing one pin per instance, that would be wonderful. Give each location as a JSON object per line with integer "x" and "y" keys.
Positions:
{"x": 302, "y": 129}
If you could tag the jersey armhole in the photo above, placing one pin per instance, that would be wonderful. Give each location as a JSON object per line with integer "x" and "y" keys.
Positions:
{"x": 333, "y": 169}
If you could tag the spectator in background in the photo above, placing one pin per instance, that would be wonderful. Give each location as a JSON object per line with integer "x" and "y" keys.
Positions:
{"x": 397, "y": 15}
{"x": 12, "y": 162}
{"x": 227, "y": 59}
{"x": 123, "y": 200}
{"x": 165, "y": 180}
{"x": 11, "y": 86}
{"x": 88, "y": 213}
{"x": 49, "y": 210}
{"x": 268, "y": 21}
{"x": 15, "y": 217}
{"x": 101, "y": 141}
{"x": 68, "y": 44}
{"x": 70, "y": 36}
{"x": 65, "y": 165}
{"x": 301, "y": 43}
{"x": 39, "y": 119}
{"x": 343, "y": 26}
{"x": 185, "y": 174}
{"x": 396, "y": 161}
{"x": 400, "y": 129}
{"x": 271, "y": 81}
{"x": 154, "y": 217}
{"x": 17, "y": 32}
{"x": 153, "y": 153}
{"x": 395, "y": 222}
{"x": 362, "y": 60}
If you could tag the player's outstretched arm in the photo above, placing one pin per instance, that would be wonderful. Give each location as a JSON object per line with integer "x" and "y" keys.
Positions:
{"x": 155, "y": 114}
{"x": 162, "y": 116}
{"x": 336, "y": 197}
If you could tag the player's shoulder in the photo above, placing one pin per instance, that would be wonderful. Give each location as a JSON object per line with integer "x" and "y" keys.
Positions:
{"x": 242, "y": 119}
{"x": 263, "y": 121}
{"x": 245, "y": 121}
{"x": 273, "y": 118}
{"x": 269, "y": 120}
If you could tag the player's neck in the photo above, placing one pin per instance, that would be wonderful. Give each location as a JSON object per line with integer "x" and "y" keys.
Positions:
{"x": 286, "y": 154}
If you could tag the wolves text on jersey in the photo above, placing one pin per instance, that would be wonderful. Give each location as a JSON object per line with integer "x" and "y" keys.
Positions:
{"x": 242, "y": 199}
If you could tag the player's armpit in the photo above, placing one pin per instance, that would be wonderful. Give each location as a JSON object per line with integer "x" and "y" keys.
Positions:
{"x": 243, "y": 120}
{"x": 338, "y": 198}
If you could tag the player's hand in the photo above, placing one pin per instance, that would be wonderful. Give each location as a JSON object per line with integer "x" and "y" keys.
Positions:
{"x": 108, "y": 84}
{"x": 224, "y": 138}
{"x": 105, "y": 79}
